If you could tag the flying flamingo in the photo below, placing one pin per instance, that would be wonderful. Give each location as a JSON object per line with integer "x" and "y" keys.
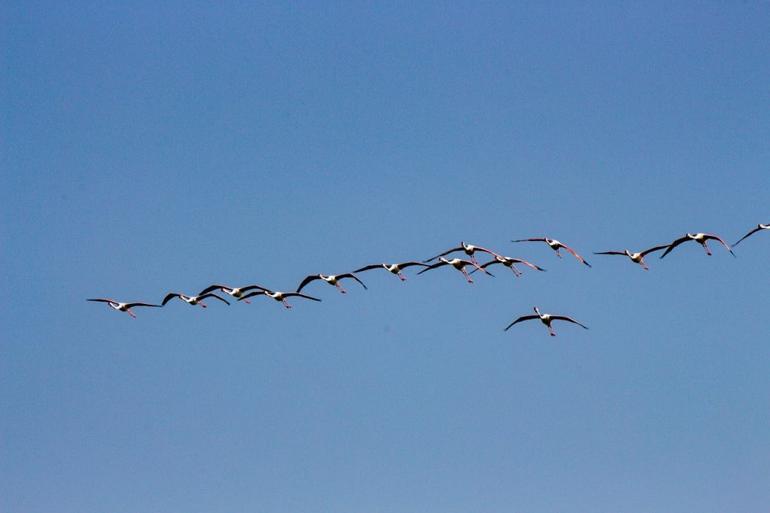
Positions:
{"x": 637, "y": 258}
{"x": 556, "y": 246}
{"x": 510, "y": 263}
{"x": 278, "y": 296}
{"x": 331, "y": 279}
{"x": 392, "y": 268}
{"x": 545, "y": 319}
{"x": 236, "y": 292}
{"x": 457, "y": 263}
{"x": 122, "y": 307}
{"x": 469, "y": 250}
{"x": 192, "y": 300}
{"x": 700, "y": 238}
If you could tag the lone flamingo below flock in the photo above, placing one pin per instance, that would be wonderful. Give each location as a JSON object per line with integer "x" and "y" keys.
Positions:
{"x": 546, "y": 319}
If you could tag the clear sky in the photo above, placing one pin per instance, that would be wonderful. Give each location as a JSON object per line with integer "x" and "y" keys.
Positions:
{"x": 164, "y": 147}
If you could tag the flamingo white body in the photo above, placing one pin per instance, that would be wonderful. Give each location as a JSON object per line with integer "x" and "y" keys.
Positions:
{"x": 546, "y": 319}
{"x": 122, "y": 307}
{"x": 192, "y": 300}
{"x": 457, "y": 263}
{"x": 700, "y": 238}
{"x": 556, "y": 246}
{"x": 756, "y": 229}
{"x": 637, "y": 258}
{"x": 395, "y": 269}
{"x": 331, "y": 279}
{"x": 468, "y": 249}
{"x": 277, "y": 296}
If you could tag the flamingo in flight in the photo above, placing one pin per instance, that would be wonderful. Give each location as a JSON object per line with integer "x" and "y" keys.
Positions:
{"x": 331, "y": 279}
{"x": 278, "y": 296}
{"x": 759, "y": 227}
{"x": 546, "y": 319}
{"x": 457, "y": 263}
{"x": 700, "y": 238}
{"x": 122, "y": 307}
{"x": 192, "y": 300}
{"x": 236, "y": 292}
{"x": 392, "y": 268}
{"x": 637, "y": 258}
{"x": 469, "y": 250}
{"x": 556, "y": 246}
{"x": 510, "y": 263}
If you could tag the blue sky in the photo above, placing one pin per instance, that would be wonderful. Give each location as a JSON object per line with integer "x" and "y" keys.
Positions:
{"x": 153, "y": 148}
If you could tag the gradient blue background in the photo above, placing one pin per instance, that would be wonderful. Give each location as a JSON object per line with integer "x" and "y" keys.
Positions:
{"x": 165, "y": 147}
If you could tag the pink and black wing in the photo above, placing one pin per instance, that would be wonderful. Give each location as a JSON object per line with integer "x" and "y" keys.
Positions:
{"x": 204, "y": 296}
{"x": 103, "y": 300}
{"x": 521, "y": 319}
{"x": 486, "y": 264}
{"x": 752, "y": 232}
{"x": 458, "y": 248}
{"x": 131, "y": 305}
{"x": 353, "y": 276}
{"x": 575, "y": 254}
{"x": 674, "y": 244}
{"x": 534, "y": 239}
{"x": 653, "y": 249}
{"x": 252, "y": 294}
{"x": 169, "y": 297}
{"x": 212, "y": 288}
{"x": 431, "y": 267}
{"x": 488, "y": 251}
{"x": 297, "y": 294}
{"x": 307, "y": 280}
{"x": 252, "y": 287}
{"x": 369, "y": 268}
{"x": 711, "y": 236}
{"x": 568, "y": 319}
{"x": 528, "y": 264}
{"x": 476, "y": 267}
{"x": 404, "y": 265}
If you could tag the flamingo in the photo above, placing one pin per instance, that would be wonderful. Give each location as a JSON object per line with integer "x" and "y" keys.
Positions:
{"x": 392, "y": 268}
{"x": 236, "y": 292}
{"x": 700, "y": 238}
{"x": 545, "y": 319}
{"x": 469, "y": 250}
{"x": 278, "y": 296}
{"x": 759, "y": 227}
{"x": 510, "y": 263}
{"x": 192, "y": 300}
{"x": 637, "y": 258}
{"x": 331, "y": 279}
{"x": 556, "y": 246}
{"x": 457, "y": 263}
{"x": 122, "y": 307}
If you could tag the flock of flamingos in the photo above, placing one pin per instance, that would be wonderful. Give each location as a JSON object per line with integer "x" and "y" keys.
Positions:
{"x": 440, "y": 260}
